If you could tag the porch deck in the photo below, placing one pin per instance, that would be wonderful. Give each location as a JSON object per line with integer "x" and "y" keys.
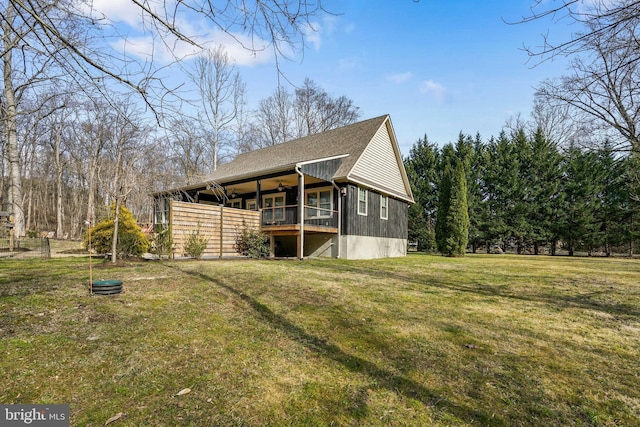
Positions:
{"x": 283, "y": 220}
{"x": 293, "y": 229}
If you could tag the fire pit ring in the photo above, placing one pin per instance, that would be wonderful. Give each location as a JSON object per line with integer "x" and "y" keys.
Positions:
{"x": 107, "y": 287}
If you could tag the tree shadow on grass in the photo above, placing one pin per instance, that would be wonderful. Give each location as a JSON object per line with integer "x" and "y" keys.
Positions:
{"x": 584, "y": 300}
{"x": 382, "y": 377}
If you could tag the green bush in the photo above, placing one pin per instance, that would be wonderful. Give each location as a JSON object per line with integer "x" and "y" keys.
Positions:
{"x": 195, "y": 244}
{"x": 131, "y": 240}
{"x": 252, "y": 243}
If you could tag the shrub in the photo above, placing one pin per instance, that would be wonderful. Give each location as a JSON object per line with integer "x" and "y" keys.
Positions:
{"x": 131, "y": 240}
{"x": 252, "y": 243}
{"x": 162, "y": 243}
{"x": 195, "y": 244}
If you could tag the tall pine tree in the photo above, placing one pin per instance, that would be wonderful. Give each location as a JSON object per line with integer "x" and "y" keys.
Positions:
{"x": 478, "y": 212}
{"x": 501, "y": 183}
{"x": 581, "y": 188}
{"x": 543, "y": 188}
{"x": 452, "y": 223}
{"x": 422, "y": 170}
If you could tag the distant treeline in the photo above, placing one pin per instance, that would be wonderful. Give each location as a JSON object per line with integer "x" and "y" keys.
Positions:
{"x": 528, "y": 195}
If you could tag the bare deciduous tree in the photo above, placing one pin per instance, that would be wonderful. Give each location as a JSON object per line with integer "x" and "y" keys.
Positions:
{"x": 125, "y": 153}
{"x": 558, "y": 122}
{"x": 283, "y": 116}
{"x": 603, "y": 86}
{"x": 43, "y": 38}
{"x": 599, "y": 19}
{"x": 274, "y": 118}
{"x": 317, "y": 111}
{"x": 187, "y": 149}
{"x": 221, "y": 93}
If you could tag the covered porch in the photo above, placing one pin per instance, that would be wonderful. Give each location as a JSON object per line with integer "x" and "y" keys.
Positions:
{"x": 299, "y": 212}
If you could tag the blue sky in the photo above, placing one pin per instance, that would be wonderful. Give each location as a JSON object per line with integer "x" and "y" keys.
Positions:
{"x": 438, "y": 67}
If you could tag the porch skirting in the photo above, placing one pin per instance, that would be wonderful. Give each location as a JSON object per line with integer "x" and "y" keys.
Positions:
{"x": 366, "y": 247}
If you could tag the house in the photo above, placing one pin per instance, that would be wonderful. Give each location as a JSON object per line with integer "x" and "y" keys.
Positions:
{"x": 340, "y": 193}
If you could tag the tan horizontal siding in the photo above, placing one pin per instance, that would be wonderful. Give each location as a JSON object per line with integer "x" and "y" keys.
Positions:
{"x": 218, "y": 224}
{"x": 379, "y": 164}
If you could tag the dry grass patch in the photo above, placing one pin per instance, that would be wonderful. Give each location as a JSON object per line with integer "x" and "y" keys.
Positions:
{"x": 483, "y": 340}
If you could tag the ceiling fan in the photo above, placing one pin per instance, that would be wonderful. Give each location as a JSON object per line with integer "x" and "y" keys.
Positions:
{"x": 282, "y": 187}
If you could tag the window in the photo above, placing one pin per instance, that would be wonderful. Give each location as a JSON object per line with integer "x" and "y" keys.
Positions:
{"x": 362, "y": 201}
{"x": 235, "y": 203}
{"x": 384, "y": 207}
{"x": 251, "y": 205}
{"x": 162, "y": 206}
{"x": 273, "y": 208}
{"x": 318, "y": 203}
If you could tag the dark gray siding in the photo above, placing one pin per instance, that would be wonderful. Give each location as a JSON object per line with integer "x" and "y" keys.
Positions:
{"x": 322, "y": 170}
{"x": 395, "y": 226}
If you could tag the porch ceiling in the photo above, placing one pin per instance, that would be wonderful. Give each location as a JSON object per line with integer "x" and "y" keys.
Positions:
{"x": 266, "y": 184}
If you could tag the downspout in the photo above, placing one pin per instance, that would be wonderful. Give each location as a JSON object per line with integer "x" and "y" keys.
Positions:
{"x": 339, "y": 215}
{"x": 301, "y": 209}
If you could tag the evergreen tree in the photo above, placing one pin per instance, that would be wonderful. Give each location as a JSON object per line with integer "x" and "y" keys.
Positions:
{"x": 631, "y": 228}
{"x": 581, "y": 186}
{"x": 421, "y": 167}
{"x": 464, "y": 150}
{"x": 500, "y": 182}
{"x": 478, "y": 212}
{"x": 452, "y": 224}
{"x": 444, "y": 199}
{"x": 543, "y": 187}
{"x": 617, "y": 215}
{"x": 610, "y": 214}
{"x": 521, "y": 200}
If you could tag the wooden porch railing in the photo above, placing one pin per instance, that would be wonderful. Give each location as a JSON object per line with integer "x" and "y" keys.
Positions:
{"x": 288, "y": 215}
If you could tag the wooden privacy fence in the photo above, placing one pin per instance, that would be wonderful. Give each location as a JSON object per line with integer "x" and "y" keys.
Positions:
{"x": 220, "y": 225}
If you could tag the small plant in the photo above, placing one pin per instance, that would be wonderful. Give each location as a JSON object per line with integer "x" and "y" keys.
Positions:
{"x": 196, "y": 244}
{"x": 162, "y": 243}
{"x": 252, "y": 243}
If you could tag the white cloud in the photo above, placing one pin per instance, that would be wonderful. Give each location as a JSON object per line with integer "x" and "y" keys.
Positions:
{"x": 148, "y": 48}
{"x": 312, "y": 32}
{"x": 329, "y": 24}
{"x": 147, "y": 45}
{"x": 400, "y": 77}
{"x": 438, "y": 91}
{"x": 124, "y": 11}
{"x": 241, "y": 49}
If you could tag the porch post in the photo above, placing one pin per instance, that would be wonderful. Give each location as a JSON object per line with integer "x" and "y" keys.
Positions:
{"x": 339, "y": 221}
{"x": 258, "y": 195}
{"x": 272, "y": 246}
{"x": 301, "y": 213}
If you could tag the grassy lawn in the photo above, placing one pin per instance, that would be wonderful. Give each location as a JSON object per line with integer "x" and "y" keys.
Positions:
{"x": 423, "y": 340}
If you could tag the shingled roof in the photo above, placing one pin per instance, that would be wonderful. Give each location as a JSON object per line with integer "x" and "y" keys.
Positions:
{"x": 350, "y": 141}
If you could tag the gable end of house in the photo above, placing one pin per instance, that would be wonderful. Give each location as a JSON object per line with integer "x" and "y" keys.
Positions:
{"x": 380, "y": 165}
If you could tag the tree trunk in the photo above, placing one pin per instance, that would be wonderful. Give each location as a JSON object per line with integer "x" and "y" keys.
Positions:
{"x": 11, "y": 119}
{"x": 91, "y": 211}
{"x": 116, "y": 220}
{"x": 59, "y": 170}
{"x": 114, "y": 242}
